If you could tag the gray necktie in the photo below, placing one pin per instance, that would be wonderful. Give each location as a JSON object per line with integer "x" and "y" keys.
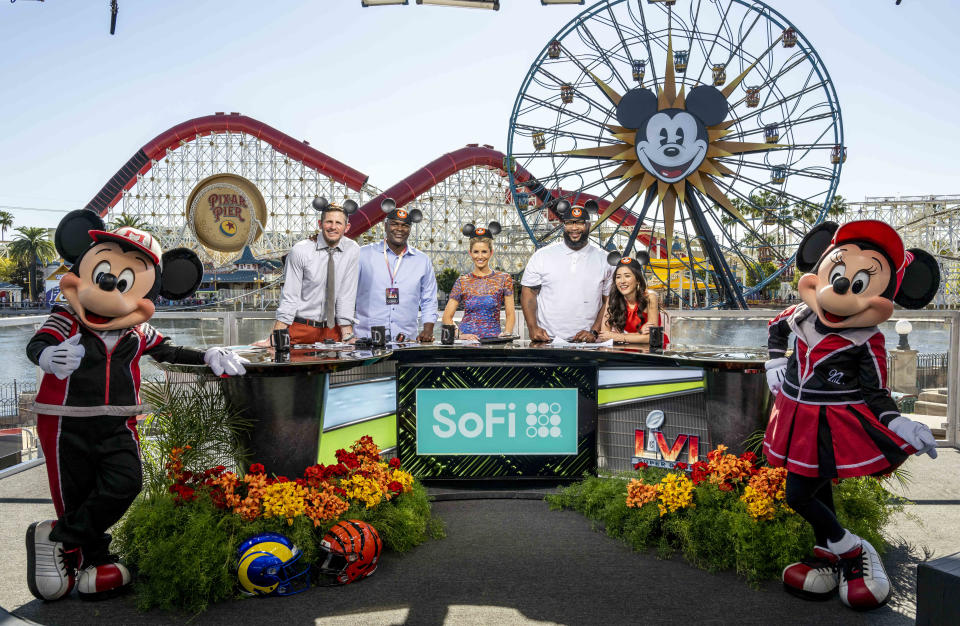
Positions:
{"x": 330, "y": 298}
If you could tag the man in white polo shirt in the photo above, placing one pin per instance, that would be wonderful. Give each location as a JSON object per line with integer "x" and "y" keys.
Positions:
{"x": 565, "y": 284}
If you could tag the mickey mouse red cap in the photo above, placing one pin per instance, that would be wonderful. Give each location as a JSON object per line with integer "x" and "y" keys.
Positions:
{"x": 134, "y": 236}
{"x": 876, "y": 232}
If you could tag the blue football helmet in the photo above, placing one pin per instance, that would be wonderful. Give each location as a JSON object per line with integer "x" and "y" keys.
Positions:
{"x": 268, "y": 566}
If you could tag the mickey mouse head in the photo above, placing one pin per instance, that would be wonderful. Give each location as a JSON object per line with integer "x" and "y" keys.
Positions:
{"x": 474, "y": 232}
{"x": 116, "y": 276}
{"x": 672, "y": 143}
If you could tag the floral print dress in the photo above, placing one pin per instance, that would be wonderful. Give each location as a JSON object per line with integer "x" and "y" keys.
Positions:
{"x": 482, "y": 298}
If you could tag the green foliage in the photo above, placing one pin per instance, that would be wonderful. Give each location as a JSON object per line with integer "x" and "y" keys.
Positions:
{"x": 718, "y": 533}
{"x": 185, "y": 555}
{"x": 195, "y": 415}
{"x": 446, "y": 278}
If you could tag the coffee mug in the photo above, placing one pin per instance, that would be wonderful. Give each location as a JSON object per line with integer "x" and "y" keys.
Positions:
{"x": 378, "y": 336}
{"x": 280, "y": 339}
{"x": 448, "y": 332}
{"x": 656, "y": 337}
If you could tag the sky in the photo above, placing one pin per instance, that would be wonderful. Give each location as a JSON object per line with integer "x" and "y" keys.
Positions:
{"x": 388, "y": 89}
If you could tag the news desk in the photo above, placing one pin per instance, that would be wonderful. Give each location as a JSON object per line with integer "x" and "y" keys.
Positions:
{"x": 515, "y": 411}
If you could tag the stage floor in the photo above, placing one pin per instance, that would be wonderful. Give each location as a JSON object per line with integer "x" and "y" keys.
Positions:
{"x": 510, "y": 560}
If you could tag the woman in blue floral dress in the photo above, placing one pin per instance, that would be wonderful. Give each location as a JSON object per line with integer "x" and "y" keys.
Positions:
{"x": 482, "y": 292}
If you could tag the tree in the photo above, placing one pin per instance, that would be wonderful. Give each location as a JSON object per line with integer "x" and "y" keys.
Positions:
{"x": 837, "y": 208}
{"x": 30, "y": 246}
{"x": 6, "y": 221}
{"x": 7, "y": 269}
{"x": 128, "y": 220}
{"x": 446, "y": 278}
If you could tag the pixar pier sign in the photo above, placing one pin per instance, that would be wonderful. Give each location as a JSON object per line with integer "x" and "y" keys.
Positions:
{"x": 496, "y": 421}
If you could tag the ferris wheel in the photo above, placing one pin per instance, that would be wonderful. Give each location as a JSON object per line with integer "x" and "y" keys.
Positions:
{"x": 708, "y": 131}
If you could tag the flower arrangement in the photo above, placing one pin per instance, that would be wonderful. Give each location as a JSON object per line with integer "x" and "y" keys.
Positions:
{"x": 197, "y": 522}
{"x": 727, "y": 512}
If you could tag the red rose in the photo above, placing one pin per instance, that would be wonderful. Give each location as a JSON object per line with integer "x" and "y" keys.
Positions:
{"x": 640, "y": 465}
{"x": 395, "y": 462}
{"x": 680, "y": 466}
{"x": 301, "y": 482}
{"x": 282, "y": 479}
{"x": 750, "y": 457}
{"x": 257, "y": 468}
{"x": 395, "y": 486}
{"x": 340, "y": 492}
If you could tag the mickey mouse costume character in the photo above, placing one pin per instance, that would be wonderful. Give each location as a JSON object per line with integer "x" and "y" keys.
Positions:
{"x": 89, "y": 351}
{"x": 833, "y": 416}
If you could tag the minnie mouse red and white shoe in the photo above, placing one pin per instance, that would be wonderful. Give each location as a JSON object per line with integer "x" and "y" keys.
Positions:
{"x": 864, "y": 584}
{"x": 100, "y": 582}
{"x": 815, "y": 577}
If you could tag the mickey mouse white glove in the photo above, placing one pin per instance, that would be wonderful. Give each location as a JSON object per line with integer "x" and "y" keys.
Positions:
{"x": 223, "y": 361}
{"x": 916, "y": 434}
{"x": 776, "y": 372}
{"x": 63, "y": 359}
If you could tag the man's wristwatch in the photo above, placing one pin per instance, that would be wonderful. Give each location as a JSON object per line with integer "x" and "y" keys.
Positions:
{"x": 596, "y": 333}
{"x": 347, "y": 337}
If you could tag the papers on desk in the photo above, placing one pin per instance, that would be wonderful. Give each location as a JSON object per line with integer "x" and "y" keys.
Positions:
{"x": 563, "y": 343}
{"x": 466, "y": 342}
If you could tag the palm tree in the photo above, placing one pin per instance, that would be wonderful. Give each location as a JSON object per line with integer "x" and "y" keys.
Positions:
{"x": 6, "y": 221}
{"x": 837, "y": 208}
{"x": 30, "y": 246}
{"x": 128, "y": 220}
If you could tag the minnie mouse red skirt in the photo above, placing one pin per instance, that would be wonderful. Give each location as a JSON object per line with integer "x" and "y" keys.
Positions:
{"x": 831, "y": 441}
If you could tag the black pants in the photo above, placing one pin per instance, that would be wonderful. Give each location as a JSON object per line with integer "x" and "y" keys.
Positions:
{"x": 812, "y": 498}
{"x": 94, "y": 471}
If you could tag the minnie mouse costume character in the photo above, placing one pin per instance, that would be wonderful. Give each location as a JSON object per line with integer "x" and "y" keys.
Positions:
{"x": 89, "y": 351}
{"x": 833, "y": 416}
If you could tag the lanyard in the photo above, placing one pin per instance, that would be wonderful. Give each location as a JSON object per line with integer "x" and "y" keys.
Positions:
{"x": 396, "y": 267}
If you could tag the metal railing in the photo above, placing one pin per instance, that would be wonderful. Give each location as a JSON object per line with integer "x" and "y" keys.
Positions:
{"x": 936, "y": 369}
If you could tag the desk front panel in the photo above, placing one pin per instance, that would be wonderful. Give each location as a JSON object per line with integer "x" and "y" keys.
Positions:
{"x": 483, "y": 421}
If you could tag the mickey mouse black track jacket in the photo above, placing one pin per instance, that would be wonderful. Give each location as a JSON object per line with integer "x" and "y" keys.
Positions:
{"x": 108, "y": 380}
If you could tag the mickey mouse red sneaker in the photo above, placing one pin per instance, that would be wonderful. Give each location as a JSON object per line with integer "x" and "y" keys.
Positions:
{"x": 99, "y": 582}
{"x": 863, "y": 581}
{"x": 815, "y": 577}
{"x": 50, "y": 573}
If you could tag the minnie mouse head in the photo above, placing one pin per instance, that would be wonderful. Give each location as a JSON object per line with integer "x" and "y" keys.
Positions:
{"x": 389, "y": 206}
{"x": 479, "y": 232}
{"x": 672, "y": 143}
{"x": 116, "y": 276}
{"x": 856, "y": 272}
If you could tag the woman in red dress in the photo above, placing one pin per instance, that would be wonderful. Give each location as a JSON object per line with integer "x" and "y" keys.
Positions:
{"x": 631, "y": 305}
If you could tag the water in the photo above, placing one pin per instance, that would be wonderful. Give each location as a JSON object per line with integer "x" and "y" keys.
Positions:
{"x": 926, "y": 337}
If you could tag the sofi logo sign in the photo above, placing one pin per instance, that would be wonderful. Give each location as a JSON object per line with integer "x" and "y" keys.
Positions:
{"x": 496, "y": 421}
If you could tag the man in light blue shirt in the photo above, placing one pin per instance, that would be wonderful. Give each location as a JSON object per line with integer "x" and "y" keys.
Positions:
{"x": 396, "y": 281}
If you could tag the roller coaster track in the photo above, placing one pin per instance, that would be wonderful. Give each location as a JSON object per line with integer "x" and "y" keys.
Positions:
{"x": 369, "y": 214}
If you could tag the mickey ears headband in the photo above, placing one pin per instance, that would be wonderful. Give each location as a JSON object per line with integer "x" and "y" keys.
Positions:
{"x": 641, "y": 258}
{"x": 389, "y": 206}
{"x": 566, "y": 211}
{"x": 469, "y": 230}
{"x": 321, "y": 204}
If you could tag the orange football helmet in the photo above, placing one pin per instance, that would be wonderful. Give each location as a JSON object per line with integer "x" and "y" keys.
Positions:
{"x": 352, "y": 550}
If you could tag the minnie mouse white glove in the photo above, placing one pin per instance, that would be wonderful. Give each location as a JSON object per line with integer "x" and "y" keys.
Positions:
{"x": 63, "y": 359}
{"x": 223, "y": 361}
{"x": 916, "y": 434}
{"x": 776, "y": 372}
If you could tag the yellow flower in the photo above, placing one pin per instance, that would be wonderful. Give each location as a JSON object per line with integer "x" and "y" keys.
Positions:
{"x": 676, "y": 492}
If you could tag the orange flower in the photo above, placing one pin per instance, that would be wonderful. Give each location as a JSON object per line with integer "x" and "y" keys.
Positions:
{"x": 639, "y": 493}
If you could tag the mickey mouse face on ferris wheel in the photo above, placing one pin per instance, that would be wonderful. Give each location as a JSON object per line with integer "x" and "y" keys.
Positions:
{"x": 672, "y": 143}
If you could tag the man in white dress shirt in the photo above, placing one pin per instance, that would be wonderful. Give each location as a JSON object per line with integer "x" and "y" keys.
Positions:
{"x": 566, "y": 284}
{"x": 304, "y": 306}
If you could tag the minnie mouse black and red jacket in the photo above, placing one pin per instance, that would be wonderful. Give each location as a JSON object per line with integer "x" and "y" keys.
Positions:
{"x": 108, "y": 379}
{"x": 832, "y": 366}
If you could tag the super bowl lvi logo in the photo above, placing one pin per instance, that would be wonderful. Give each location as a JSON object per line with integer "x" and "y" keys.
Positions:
{"x": 226, "y": 212}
